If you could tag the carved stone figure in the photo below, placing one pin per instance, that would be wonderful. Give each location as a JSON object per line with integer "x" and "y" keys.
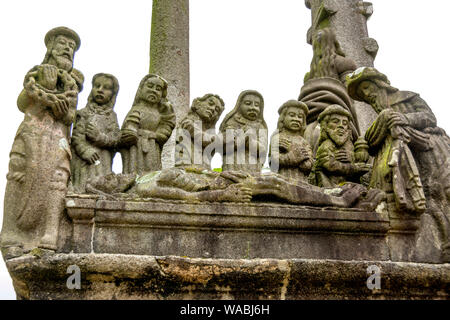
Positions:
{"x": 238, "y": 186}
{"x": 411, "y": 152}
{"x": 196, "y": 136}
{"x": 147, "y": 127}
{"x": 95, "y": 133}
{"x": 244, "y": 134}
{"x": 110, "y": 186}
{"x": 323, "y": 84}
{"x": 335, "y": 159}
{"x": 290, "y": 153}
{"x": 39, "y": 167}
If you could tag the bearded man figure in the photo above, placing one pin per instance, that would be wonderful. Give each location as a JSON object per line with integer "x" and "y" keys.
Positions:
{"x": 324, "y": 84}
{"x": 39, "y": 167}
{"x": 336, "y": 160}
{"x": 411, "y": 152}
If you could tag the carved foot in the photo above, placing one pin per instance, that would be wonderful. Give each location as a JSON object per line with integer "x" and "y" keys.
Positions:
{"x": 352, "y": 192}
{"x": 236, "y": 193}
{"x": 12, "y": 252}
{"x": 372, "y": 200}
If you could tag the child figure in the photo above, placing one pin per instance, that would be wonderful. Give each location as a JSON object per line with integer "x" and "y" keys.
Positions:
{"x": 95, "y": 133}
{"x": 290, "y": 154}
{"x": 244, "y": 134}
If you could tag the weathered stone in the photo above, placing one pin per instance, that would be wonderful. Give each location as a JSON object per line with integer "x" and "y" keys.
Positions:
{"x": 106, "y": 276}
{"x": 196, "y": 135}
{"x": 336, "y": 162}
{"x": 147, "y": 127}
{"x": 95, "y": 133}
{"x": 290, "y": 154}
{"x": 169, "y": 57}
{"x": 348, "y": 20}
{"x": 39, "y": 167}
{"x": 244, "y": 134}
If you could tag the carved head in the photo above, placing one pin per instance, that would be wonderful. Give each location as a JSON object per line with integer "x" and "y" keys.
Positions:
{"x": 61, "y": 45}
{"x": 369, "y": 85}
{"x": 104, "y": 89}
{"x": 293, "y": 116}
{"x": 209, "y": 107}
{"x": 250, "y": 106}
{"x": 152, "y": 90}
{"x": 335, "y": 125}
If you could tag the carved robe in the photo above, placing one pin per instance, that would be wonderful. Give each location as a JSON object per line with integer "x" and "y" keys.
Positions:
{"x": 243, "y": 158}
{"x": 153, "y": 128}
{"x": 105, "y": 120}
{"x": 41, "y": 156}
{"x": 392, "y": 150}
{"x": 295, "y": 164}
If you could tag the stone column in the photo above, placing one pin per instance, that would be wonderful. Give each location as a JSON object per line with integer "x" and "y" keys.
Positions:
{"x": 348, "y": 19}
{"x": 169, "y": 58}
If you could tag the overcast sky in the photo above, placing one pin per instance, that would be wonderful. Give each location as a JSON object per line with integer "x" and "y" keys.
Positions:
{"x": 234, "y": 45}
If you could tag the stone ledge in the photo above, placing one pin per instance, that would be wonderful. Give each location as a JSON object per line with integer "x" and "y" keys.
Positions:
{"x": 114, "y": 276}
{"x": 226, "y": 230}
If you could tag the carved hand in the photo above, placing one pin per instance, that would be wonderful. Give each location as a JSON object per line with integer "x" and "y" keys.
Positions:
{"x": 16, "y": 176}
{"x": 397, "y": 119}
{"x": 48, "y": 76}
{"x": 363, "y": 167}
{"x": 91, "y": 156}
{"x": 285, "y": 144}
{"x": 92, "y": 132}
{"x": 60, "y": 107}
{"x": 342, "y": 156}
{"x": 129, "y": 137}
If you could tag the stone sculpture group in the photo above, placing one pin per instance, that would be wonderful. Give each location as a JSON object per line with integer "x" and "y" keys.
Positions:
{"x": 318, "y": 154}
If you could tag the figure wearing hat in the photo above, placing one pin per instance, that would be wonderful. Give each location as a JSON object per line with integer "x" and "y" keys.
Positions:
{"x": 337, "y": 161}
{"x": 39, "y": 167}
{"x": 290, "y": 154}
{"x": 411, "y": 152}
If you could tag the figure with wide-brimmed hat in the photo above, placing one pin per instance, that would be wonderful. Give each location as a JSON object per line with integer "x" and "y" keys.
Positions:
{"x": 411, "y": 152}
{"x": 39, "y": 167}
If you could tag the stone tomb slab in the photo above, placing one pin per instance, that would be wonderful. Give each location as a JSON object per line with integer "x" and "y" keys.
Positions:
{"x": 226, "y": 230}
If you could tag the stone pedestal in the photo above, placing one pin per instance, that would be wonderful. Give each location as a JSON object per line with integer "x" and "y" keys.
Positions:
{"x": 117, "y": 276}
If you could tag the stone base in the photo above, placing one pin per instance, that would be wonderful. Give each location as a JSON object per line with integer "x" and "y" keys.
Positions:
{"x": 42, "y": 275}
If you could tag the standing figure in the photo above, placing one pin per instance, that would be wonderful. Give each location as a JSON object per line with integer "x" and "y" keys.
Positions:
{"x": 95, "y": 133}
{"x": 324, "y": 83}
{"x": 147, "y": 127}
{"x": 335, "y": 159}
{"x": 39, "y": 167}
{"x": 244, "y": 134}
{"x": 411, "y": 153}
{"x": 196, "y": 136}
{"x": 290, "y": 154}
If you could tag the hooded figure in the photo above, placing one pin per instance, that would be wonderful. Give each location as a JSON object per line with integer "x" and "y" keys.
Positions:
{"x": 147, "y": 127}
{"x": 244, "y": 134}
{"x": 95, "y": 133}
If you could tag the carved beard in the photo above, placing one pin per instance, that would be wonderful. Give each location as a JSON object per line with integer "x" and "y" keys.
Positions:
{"x": 63, "y": 62}
{"x": 380, "y": 102}
{"x": 338, "y": 139}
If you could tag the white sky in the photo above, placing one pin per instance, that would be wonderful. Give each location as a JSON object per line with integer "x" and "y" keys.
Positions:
{"x": 234, "y": 45}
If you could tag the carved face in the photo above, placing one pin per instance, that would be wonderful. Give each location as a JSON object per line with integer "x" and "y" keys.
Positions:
{"x": 152, "y": 90}
{"x": 338, "y": 129}
{"x": 102, "y": 90}
{"x": 371, "y": 93}
{"x": 209, "y": 109}
{"x": 63, "y": 51}
{"x": 250, "y": 107}
{"x": 294, "y": 119}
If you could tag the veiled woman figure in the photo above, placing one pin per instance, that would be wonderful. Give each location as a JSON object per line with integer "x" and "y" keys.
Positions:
{"x": 244, "y": 134}
{"x": 95, "y": 133}
{"x": 147, "y": 127}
